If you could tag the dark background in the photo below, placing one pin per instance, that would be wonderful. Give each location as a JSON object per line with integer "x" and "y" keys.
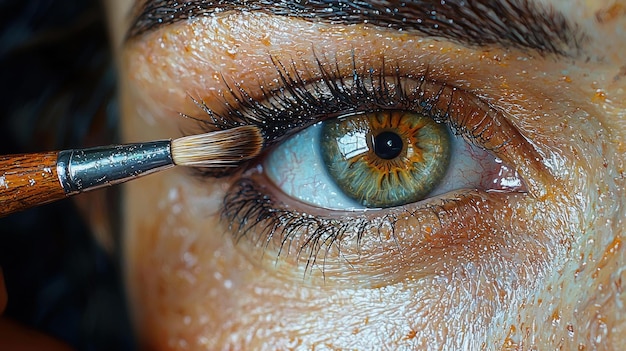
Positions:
{"x": 58, "y": 91}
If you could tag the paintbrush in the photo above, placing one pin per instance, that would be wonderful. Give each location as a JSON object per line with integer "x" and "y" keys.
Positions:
{"x": 29, "y": 180}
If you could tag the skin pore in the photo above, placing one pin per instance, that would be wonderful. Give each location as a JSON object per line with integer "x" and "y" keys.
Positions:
{"x": 540, "y": 269}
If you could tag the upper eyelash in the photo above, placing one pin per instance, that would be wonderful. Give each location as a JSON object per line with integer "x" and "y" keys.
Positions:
{"x": 301, "y": 101}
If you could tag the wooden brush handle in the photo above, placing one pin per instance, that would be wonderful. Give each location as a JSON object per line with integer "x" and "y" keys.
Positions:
{"x": 28, "y": 180}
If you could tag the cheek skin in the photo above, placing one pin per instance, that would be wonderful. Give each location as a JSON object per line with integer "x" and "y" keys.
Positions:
{"x": 547, "y": 276}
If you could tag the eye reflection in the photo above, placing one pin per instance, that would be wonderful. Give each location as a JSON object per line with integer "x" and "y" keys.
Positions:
{"x": 387, "y": 145}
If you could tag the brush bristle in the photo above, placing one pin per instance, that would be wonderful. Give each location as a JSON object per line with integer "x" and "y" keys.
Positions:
{"x": 224, "y": 148}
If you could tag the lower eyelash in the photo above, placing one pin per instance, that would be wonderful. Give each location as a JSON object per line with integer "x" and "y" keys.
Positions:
{"x": 258, "y": 218}
{"x": 248, "y": 210}
{"x": 307, "y": 97}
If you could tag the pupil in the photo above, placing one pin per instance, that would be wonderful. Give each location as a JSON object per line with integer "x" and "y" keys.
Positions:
{"x": 387, "y": 145}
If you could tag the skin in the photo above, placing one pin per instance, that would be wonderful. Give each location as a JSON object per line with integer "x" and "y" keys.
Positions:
{"x": 541, "y": 270}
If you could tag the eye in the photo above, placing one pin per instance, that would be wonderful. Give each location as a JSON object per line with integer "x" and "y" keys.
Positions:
{"x": 369, "y": 170}
{"x": 382, "y": 159}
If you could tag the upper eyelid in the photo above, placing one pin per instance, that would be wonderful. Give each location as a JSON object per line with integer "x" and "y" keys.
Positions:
{"x": 298, "y": 96}
{"x": 292, "y": 106}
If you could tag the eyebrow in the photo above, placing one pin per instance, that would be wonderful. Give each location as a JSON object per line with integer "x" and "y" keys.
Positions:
{"x": 522, "y": 24}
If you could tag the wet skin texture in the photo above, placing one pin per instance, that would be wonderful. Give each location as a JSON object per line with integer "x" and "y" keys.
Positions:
{"x": 493, "y": 270}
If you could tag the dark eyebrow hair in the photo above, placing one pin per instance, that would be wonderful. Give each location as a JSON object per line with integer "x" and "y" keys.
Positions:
{"x": 522, "y": 24}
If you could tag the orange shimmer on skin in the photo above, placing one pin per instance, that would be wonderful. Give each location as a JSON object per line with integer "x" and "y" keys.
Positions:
{"x": 493, "y": 271}
{"x": 611, "y": 13}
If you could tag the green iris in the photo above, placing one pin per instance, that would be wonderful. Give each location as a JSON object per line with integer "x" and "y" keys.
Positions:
{"x": 386, "y": 158}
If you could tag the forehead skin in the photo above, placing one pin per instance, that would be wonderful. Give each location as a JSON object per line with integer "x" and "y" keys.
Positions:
{"x": 185, "y": 287}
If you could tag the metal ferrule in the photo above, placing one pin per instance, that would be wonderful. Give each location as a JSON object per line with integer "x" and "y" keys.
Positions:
{"x": 93, "y": 168}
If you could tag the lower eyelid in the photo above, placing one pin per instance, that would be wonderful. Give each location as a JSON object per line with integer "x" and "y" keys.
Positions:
{"x": 362, "y": 248}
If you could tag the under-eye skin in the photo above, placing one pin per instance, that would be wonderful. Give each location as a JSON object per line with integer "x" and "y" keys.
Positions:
{"x": 259, "y": 214}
